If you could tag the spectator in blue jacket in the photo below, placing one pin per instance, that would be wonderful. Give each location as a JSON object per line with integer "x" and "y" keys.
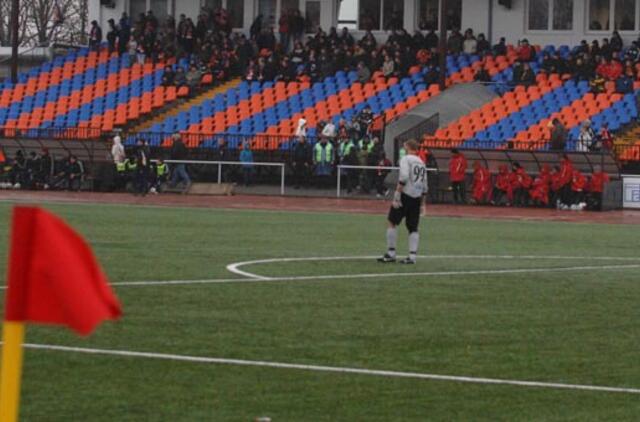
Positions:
{"x": 624, "y": 84}
{"x": 246, "y": 158}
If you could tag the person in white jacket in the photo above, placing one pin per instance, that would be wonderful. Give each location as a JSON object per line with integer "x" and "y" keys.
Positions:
{"x": 586, "y": 137}
{"x": 117, "y": 151}
{"x": 301, "y": 130}
{"x": 329, "y": 131}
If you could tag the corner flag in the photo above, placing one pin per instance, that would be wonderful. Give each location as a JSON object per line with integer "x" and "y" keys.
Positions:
{"x": 54, "y": 278}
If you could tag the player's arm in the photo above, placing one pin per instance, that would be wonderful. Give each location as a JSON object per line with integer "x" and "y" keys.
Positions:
{"x": 424, "y": 204}
{"x": 425, "y": 192}
{"x": 403, "y": 178}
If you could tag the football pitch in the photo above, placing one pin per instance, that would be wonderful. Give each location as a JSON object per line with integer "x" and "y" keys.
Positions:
{"x": 232, "y": 315}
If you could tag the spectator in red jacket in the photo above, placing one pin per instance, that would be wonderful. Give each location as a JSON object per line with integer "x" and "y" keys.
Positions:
{"x": 565, "y": 178}
{"x": 502, "y": 187}
{"x": 520, "y": 184}
{"x": 481, "y": 183}
{"x": 539, "y": 192}
{"x": 595, "y": 188}
{"x": 283, "y": 30}
{"x": 554, "y": 186}
{"x": 606, "y": 139}
{"x": 457, "y": 172}
{"x": 525, "y": 51}
{"x": 423, "y": 56}
{"x": 609, "y": 69}
{"x": 424, "y": 155}
{"x": 578, "y": 186}
{"x": 615, "y": 69}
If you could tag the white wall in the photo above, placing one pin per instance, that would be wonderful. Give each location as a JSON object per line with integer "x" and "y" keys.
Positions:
{"x": 191, "y": 9}
{"x": 475, "y": 15}
{"x": 103, "y": 14}
{"x": 328, "y": 14}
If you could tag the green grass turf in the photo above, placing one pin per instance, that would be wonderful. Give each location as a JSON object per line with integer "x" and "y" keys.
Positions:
{"x": 580, "y": 327}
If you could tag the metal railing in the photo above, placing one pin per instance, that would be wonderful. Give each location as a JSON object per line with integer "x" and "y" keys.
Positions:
{"x": 209, "y": 140}
{"x": 341, "y": 167}
{"x": 219, "y": 164}
{"x": 497, "y": 145}
{"x": 70, "y": 134}
{"x": 24, "y": 52}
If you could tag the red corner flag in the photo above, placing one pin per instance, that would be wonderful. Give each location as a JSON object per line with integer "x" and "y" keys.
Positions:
{"x": 54, "y": 277}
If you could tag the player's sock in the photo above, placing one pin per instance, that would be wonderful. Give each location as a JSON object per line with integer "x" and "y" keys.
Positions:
{"x": 414, "y": 240}
{"x": 392, "y": 239}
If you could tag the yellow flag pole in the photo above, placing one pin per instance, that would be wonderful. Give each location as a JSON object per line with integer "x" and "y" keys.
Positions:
{"x": 11, "y": 370}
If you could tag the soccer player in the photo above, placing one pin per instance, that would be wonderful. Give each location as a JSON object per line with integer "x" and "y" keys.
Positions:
{"x": 407, "y": 201}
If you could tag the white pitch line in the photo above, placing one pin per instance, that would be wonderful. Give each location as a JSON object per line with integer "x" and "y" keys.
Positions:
{"x": 234, "y": 267}
{"x": 373, "y": 275}
{"x": 178, "y": 282}
{"x": 258, "y": 278}
{"x": 357, "y": 276}
{"x": 333, "y": 369}
{"x": 451, "y": 273}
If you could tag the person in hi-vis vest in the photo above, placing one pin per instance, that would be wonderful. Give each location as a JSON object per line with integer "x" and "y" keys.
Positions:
{"x": 323, "y": 157}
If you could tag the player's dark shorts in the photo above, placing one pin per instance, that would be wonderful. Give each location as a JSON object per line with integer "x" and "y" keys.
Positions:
{"x": 410, "y": 211}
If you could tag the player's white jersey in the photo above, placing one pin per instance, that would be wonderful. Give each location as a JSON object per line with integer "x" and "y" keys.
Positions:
{"x": 413, "y": 174}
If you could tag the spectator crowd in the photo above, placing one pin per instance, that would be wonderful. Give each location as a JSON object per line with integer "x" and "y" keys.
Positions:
{"x": 208, "y": 45}
{"x": 606, "y": 65}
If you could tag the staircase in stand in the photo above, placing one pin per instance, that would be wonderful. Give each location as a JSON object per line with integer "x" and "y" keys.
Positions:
{"x": 186, "y": 105}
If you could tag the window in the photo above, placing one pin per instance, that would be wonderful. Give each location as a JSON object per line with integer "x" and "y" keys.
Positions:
{"x": 159, "y": 8}
{"x": 287, "y": 6}
{"x": 312, "y": 16}
{"x": 393, "y": 14}
{"x": 235, "y": 10}
{"x": 625, "y": 15}
{"x": 563, "y": 15}
{"x": 137, "y": 7}
{"x": 538, "y": 15}
{"x": 621, "y": 12}
{"x": 429, "y": 14}
{"x": 213, "y": 4}
{"x": 236, "y": 13}
{"x": 369, "y": 14}
{"x": 267, "y": 8}
{"x": 454, "y": 14}
{"x": 546, "y": 15}
{"x": 599, "y": 15}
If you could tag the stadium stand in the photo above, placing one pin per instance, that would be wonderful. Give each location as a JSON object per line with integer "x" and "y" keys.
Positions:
{"x": 88, "y": 93}
{"x": 46, "y": 83}
{"x": 84, "y": 89}
{"x": 252, "y": 109}
{"x": 614, "y": 109}
{"x": 521, "y": 115}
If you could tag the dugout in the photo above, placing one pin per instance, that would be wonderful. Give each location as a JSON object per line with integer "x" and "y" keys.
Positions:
{"x": 94, "y": 153}
{"x": 531, "y": 161}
